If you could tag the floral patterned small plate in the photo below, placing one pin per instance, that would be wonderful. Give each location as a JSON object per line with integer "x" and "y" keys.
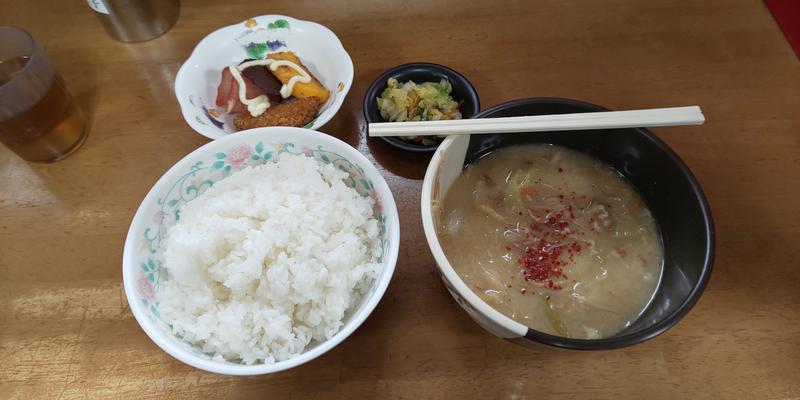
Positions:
{"x": 317, "y": 47}
{"x": 198, "y": 171}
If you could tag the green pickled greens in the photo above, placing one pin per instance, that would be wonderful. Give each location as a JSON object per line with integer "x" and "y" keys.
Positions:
{"x": 428, "y": 101}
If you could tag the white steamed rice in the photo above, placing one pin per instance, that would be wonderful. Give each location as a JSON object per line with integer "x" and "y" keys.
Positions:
{"x": 267, "y": 260}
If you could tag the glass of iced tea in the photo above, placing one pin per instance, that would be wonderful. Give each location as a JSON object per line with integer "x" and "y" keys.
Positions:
{"x": 38, "y": 118}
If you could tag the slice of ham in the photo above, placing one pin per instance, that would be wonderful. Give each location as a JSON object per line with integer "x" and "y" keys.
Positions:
{"x": 224, "y": 87}
{"x": 228, "y": 92}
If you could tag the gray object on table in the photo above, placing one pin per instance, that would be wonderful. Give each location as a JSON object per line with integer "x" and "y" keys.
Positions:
{"x": 136, "y": 20}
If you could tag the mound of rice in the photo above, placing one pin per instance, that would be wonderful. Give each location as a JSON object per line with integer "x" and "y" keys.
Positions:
{"x": 267, "y": 260}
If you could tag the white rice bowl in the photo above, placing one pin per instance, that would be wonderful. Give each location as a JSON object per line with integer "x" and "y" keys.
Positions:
{"x": 267, "y": 260}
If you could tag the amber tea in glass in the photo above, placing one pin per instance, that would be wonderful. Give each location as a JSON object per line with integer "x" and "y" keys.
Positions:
{"x": 39, "y": 121}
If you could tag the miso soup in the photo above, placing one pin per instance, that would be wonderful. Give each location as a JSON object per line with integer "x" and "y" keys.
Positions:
{"x": 553, "y": 239}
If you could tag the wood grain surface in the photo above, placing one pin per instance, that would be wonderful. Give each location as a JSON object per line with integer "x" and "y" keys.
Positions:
{"x": 66, "y": 330}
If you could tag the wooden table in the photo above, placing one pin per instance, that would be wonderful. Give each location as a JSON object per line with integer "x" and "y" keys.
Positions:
{"x": 66, "y": 329}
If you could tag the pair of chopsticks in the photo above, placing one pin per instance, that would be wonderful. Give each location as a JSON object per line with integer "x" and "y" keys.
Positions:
{"x": 671, "y": 116}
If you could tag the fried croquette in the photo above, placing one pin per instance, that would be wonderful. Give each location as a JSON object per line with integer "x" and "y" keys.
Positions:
{"x": 295, "y": 112}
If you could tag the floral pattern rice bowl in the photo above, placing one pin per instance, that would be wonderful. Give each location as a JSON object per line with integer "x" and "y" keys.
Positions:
{"x": 198, "y": 171}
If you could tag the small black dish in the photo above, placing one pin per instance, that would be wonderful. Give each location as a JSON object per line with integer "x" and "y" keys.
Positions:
{"x": 463, "y": 91}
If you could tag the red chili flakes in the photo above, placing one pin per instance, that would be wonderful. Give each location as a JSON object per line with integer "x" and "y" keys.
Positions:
{"x": 508, "y": 247}
{"x": 545, "y": 256}
{"x": 539, "y": 260}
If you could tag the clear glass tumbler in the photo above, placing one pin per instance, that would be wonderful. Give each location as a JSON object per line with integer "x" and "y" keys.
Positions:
{"x": 38, "y": 118}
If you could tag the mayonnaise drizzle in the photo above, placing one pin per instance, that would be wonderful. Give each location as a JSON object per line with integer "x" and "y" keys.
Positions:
{"x": 259, "y": 104}
{"x": 286, "y": 90}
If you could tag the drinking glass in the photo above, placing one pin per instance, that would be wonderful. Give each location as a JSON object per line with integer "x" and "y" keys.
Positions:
{"x": 38, "y": 118}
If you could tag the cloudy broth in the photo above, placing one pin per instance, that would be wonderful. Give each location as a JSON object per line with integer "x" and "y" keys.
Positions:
{"x": 553, "y": 239}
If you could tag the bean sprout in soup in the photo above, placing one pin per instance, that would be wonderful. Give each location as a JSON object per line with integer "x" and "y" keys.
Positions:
{"x": 553, "y": 239}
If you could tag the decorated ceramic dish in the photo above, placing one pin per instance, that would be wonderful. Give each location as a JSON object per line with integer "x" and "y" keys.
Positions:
{"x": 318, "y": 47}
{"x": 198, "y": 171}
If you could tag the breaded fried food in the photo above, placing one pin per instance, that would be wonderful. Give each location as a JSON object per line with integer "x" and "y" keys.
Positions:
{"x": 295, "y": 112}
{"x": 300, "y": 89}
